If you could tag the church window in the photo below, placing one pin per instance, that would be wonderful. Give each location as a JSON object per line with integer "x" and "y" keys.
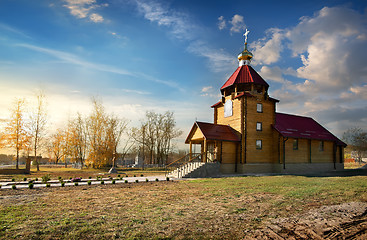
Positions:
{"x": 295, "y": 144}
{"x": 259, "y": 126}
{"x": 228, "y": 108}
{"x": 259, "y": 144}
{"x": 321, "y": 146}
{"x": 259, "y": 108}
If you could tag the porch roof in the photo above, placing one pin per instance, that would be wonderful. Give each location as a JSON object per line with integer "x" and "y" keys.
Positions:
{"x": 212, "y": 131}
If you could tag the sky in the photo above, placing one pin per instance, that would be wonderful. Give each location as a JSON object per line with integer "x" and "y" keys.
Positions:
{"x": 174, "y": 55}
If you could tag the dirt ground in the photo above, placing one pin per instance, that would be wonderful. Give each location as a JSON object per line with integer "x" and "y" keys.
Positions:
{"x": 344, "y": 221}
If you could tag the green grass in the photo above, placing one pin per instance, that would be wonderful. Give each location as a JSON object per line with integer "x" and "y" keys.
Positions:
{"x": 198, "y": 209}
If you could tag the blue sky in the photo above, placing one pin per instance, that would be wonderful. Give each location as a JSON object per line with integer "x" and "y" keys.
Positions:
{"x": 139, "y": 55}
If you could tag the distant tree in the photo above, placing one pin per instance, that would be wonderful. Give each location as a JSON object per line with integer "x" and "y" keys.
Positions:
{"x": 115, "y": 127}
{"x": 156, "y": 134}
{"x": 2, "y": 140}
{"x": 57, "y": 146}
{"x": 96, "y": 129}
{"x": 76, "y": 137}
{"x": 104, "y": 134}
{"x": 38, "y": 124}
{"x": 17, "y": 136}
{"x": 356, "y": 138}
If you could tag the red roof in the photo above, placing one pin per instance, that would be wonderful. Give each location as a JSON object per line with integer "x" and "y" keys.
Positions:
{"x": 245, "y": 74}
{"x": 218, "y": 103}
{"x": 215, "y": 132}
{"x": 302, "y": 127}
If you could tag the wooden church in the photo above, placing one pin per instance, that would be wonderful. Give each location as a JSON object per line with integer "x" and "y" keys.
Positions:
{"x": 249, "y": 136}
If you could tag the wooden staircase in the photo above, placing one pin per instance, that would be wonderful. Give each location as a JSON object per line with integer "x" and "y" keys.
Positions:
{"x": 185, "y": 169}
{"x": 183, "y": 166}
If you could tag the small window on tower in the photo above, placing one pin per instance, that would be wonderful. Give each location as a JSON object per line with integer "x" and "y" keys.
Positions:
{"x": 228, "y": 108}
{"x": 259, "y": 108}
{"x": 259, "y": 144}
{"x": 295, "y": 144}
{"x": 259, "y": 126}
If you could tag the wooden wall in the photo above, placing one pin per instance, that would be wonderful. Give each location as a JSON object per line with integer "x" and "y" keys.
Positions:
{"x": 267, "y": 118}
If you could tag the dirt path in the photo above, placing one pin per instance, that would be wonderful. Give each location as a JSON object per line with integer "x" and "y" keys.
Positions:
{"x": 344, "y": 221}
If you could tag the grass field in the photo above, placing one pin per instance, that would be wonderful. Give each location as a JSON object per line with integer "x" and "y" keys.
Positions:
{"x": 222, "y": 208}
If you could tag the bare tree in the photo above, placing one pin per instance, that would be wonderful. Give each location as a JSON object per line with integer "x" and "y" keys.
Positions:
{"x": 17, "y": 136}
{"x": 356, "y": 138}
{"x": 38, "y": 124}
{"x": 77, "y": 139}
{"x": 115, "y": 128}
{"x": 156, "y": 134}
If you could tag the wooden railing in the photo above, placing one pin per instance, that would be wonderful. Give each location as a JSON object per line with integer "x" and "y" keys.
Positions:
{"x": 195, "y": 157}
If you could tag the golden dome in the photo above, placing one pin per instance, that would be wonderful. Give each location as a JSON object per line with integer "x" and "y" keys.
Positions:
{"x": 245, "y": 54}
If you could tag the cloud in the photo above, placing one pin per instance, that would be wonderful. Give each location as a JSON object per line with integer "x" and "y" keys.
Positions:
{"x": 219, "y": 61}
{"x": 206, "y": 89}
{"x": 85, "y": 9}
{"x": 73, "y": 59}
{"x": 238, "y": 24}
{"x": 94, "y": 17}
{"x": 272, "y": 73}
{"x": 329, "y": 82}
{"x": 221, "y": 23}
{"x": 13, "y": 30}
{"x": 181, "y": 27}
{"x": 267, "y": 50}
{"x": 135, "y": 91}
{"x": 178, "y": 22}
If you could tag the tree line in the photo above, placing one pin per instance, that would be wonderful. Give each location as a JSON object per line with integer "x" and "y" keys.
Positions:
{"x": 93, "y": 141}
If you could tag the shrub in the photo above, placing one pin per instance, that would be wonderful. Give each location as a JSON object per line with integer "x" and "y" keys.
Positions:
{"x": 126, "y": 176}
{"x": 48, "y": 185}
{"x": 126, "y": 181}
{"x": 147, "y": 180}
{"x": 30, "y": 185}
{"x": 60, "y": 180}
{"x": 119, "y": 175}
{"x": 62, "y": 184}
{"x": 90, "y": 177}
{"x": 25, "y": 179}
{"x": 134, "y": 175}
{"x": 102, "y": 182}
{"x": 136, "y": 180}
{"x": 113, "y": 181}
{"x": 13, "y": 179}
{"x": 60, "y": 177}
{"x": 156, "y": 179}
{"x": 46, "y": 178}
{"x": 14, "y": 187}
{"x": 167, "y": 178}
{"x": 30, "y": 181}
{"x": 89, "y": 182}
{"x": 70, "y": 178}
{"x": 76, "y": 184}
{"x": 121, "y": 178}
{"x": 36, "y": 179}
{"x": 141, "y": 175}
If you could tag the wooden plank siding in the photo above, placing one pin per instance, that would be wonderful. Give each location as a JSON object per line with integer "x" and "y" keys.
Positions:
{"x": 267, "y": 119}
